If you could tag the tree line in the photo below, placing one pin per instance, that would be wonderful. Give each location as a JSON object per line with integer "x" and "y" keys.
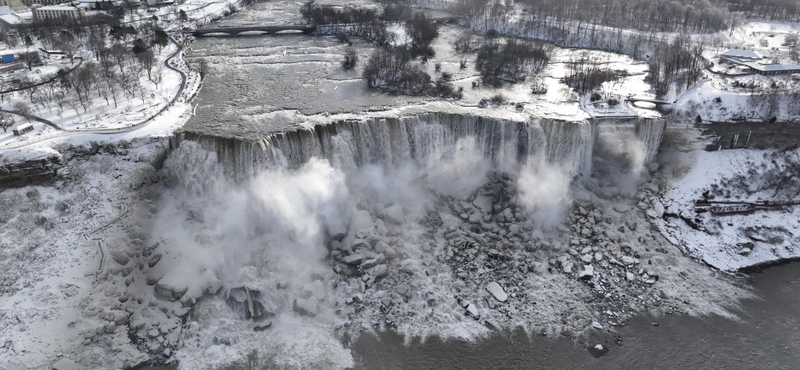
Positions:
{"x": 508, "y": 59}
{"x": 396, "y": 67}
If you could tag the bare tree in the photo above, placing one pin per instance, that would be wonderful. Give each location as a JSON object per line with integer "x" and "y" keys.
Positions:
{"x": 120, "y": 54}
{"x": 6, "y": 121}
{"x": 68, "y": 44}
{"x": 147, "y": 60}
{"x": 158, "y": 75}
{"x": 31, "y": 59}
{"x": 350, "y": 59}
{"x": 24, "y": 110}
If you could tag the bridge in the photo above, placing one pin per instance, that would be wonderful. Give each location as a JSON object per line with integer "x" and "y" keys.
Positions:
{"x": 636, "y": 99}
{"x": 235, "y": 31}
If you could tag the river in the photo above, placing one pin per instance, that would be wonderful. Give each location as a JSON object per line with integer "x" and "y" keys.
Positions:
{"x": 766, "y": 336}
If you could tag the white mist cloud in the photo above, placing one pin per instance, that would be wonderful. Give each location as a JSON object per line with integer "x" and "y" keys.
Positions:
{"x": 544, "y": 192}
{"x": 210, "y": 228}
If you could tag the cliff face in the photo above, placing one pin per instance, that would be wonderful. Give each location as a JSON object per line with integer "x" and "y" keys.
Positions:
{"x": 348, "y": 144}
{"x": 35, "y": 169}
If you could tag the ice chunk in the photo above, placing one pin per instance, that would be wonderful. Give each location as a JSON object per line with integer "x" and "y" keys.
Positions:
{"x": 497, "y": 291}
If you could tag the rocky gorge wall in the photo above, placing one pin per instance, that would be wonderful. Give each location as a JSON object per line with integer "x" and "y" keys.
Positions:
{"x": 35, "y": 168}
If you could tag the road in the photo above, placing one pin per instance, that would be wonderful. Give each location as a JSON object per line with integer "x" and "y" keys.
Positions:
{"x": 68, "y": 132}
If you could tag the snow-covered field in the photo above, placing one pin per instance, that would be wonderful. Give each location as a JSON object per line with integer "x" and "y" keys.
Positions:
{"x": 714, "y": 104}
{"x": 731, "y": 242}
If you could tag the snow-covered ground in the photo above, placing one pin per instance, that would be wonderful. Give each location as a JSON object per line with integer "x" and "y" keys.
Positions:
{"x": 712, "y": 100}
{"x": 54, "y": 255}
{"x": 731, "y": 242}
{"x": 148, "y": 112}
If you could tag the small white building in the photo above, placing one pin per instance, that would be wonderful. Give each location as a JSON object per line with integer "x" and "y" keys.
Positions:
{"x": 737, "y": 56}
{"x": 57, "y": 13}
{"x": 22, "y": 129}
{"x": 13, "y": 4}
{"x": 9, "y": 19}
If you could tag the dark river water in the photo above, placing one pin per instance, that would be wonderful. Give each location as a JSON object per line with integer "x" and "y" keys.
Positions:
{"x": 767, "y": 336}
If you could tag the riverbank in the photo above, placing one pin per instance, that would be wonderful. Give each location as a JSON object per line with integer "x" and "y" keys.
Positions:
{"x": 761, "y": 337}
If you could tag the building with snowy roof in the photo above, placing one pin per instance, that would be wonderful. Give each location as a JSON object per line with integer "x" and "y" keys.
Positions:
{"x": 739, "y": 54}
{"x": 754, "y": 62}
{"x": 9, "y": 19}
{"x": 58, "y": 13}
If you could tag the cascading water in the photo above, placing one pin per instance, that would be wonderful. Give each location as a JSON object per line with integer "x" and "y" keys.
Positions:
{"x": 349, "y": 144}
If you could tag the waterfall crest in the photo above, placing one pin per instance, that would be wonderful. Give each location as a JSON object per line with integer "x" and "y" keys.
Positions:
{"x": 348, "y": 144}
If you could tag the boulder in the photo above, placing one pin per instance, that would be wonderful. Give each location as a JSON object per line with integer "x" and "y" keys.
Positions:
{"x": 306, "y": 307}
{"x": 315, "y": 289}
{"x": 361, "y": 220}
{"x": 473, "y": 311}
{"x": 379, "y": 271}
{"x": 497, "y": 291}
{"x": 651, "y": 187}
{"x": 152, "y": 334}
{"x": 64, "y": 364}
{"x": 380, "y": 227}
{"x": 381, "y": 247}
{"x": 353, "y": 259}
{"x": 372, "y": 262}
{"x": 658, "y": 208}
{"x": 120, "y": 257}
{"x": 404, "y": 290}
{"x": 598, "y": 256}
{"x": 621, "y": 208}
{"x": 612, "y": 235}
{"x": 587, "y": 273}
{"x": 250, "y": 304}
{"x": 476, "y": 218}
{"x": 484, "y": 203}
{"x": 171, "y": 292}
{"x": 394, "y": 214}
{"x": 336, "y": 228}
{"x": 263, "y": 326}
